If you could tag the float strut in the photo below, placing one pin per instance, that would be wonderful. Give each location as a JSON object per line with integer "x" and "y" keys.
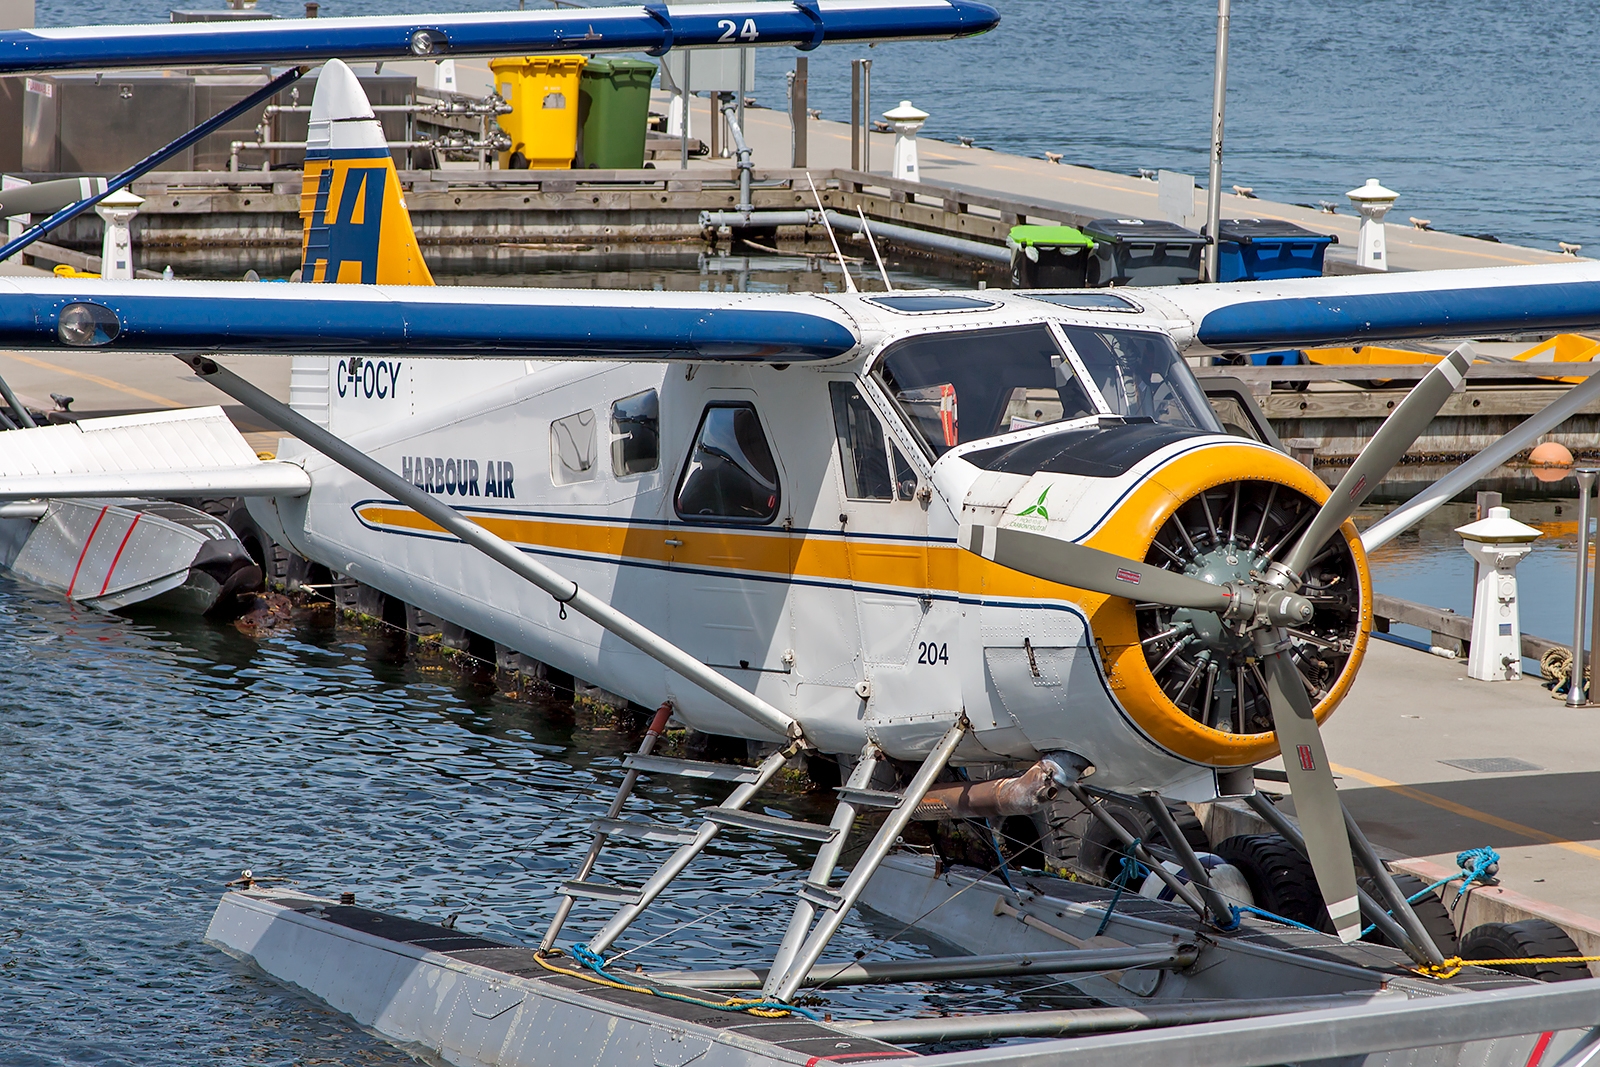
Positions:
{"x": 657, "y": 727}
{"x": 1370, "y": 908}
{"x": 1221, "y": 914}
{"x": 1183, "y": 892}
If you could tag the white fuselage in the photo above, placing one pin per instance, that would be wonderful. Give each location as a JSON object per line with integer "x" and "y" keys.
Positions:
{"x": 850, "y": 614}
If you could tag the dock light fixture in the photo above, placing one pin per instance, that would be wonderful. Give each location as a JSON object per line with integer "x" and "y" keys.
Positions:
{"x": 1497, "y": 543}
{"x": 906, "y": 120}
{"x": 1372, "y": 202}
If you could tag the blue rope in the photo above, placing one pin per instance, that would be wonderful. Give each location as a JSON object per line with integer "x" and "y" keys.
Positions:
{"x": 1131, "y": 869}
{"x": 1476, "y": 865}
{"x": 597, "y": 963}
{"x": 1245, "y": 909}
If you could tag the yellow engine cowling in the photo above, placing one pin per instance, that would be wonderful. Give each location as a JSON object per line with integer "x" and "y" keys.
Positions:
{"x": 1180, "y": 493}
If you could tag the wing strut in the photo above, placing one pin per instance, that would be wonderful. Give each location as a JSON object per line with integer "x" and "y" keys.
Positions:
{"x": 564, "y": 590}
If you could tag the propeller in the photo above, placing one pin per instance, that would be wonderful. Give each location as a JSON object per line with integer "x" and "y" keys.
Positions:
{"x": 1261, "y": 607}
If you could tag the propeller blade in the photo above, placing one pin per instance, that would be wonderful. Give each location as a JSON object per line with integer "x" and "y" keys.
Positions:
{"x": 1316, "y": 802}
{"x": 1387, "y": 447}
{"x": 1083, "y": 567}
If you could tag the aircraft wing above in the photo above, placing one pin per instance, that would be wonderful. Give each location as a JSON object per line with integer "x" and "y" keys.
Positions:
{"x": 1367, "y": 308}
{"x": 187, "y": 452}
{"x": 652, "y": 28}
{"x": 516, "y": 323}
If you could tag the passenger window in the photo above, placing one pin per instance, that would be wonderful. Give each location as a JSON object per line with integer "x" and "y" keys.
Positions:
{"x": 730, "y": 473}
{"x": 572, "y": 448}
{"x": 636, "y": 433}
{"x": 863, "y": 453}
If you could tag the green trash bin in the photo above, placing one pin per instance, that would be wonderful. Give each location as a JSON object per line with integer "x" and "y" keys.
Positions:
{"x": 613, "y": 113}
{"x": 1048, "y": 257}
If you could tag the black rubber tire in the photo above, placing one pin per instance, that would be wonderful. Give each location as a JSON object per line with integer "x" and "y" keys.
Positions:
{"x": 1432, "y": 913}
{"x": 1528, "y": 939}
{"x": 1280, "y": 878}
{"x": 1100, "y": 852}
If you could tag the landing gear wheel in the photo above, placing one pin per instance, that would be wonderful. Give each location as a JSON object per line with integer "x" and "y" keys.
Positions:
{"x": 1431, "y": 912}
{"x": 1280, "y": 878}
{"x": 1528, "y": 939}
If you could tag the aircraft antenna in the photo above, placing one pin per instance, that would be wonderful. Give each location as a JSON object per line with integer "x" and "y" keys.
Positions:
{"x": 849, "y": 282}
{"x": 873, "y": 241}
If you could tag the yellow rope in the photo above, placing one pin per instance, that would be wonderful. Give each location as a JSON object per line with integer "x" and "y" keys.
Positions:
{"x": 1455, "y": 964}
{"x": 731, "y": 1002}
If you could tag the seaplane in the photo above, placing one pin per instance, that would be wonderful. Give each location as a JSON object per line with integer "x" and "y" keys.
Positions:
{"x": 916, "y": 530}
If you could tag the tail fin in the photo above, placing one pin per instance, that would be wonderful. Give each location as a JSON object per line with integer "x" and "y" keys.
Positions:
{"x": 356, "y": 226}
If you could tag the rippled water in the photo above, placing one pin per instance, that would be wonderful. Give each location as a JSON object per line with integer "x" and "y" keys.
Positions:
{"x": 1478, "y": 112}
{"x": 145, "y": 762}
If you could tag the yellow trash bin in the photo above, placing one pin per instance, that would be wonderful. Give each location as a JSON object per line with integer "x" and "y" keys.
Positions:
{"x": 543, "y": 94}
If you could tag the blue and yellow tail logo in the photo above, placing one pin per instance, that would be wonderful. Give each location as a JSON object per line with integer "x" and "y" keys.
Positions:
{"x": 356, "y": 226}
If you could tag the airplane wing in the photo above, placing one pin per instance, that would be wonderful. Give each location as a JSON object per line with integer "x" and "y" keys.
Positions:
{"x": 243, "y": 317}
{"x": 1369, "y": 308}
{"x": 187, "y": 452}
{"x": 652, "y": 28}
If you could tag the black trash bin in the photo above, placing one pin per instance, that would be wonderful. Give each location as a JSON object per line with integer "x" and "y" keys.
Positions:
{"x": 1143, "y": 252}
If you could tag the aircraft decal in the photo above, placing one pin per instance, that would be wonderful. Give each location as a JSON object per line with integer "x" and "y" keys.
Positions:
{"x": 460, "y": 477}
{"x": 370, "y": 379}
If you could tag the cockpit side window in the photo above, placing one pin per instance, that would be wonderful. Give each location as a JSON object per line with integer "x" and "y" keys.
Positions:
{"x": 730, "y": 474}
{"x": 960, "y": 386}
{"x": 1141, "y": 376}
{"x": 863, "y": 453}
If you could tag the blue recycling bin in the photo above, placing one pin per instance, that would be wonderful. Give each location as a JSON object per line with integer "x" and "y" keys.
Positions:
{"x": 1255, "y": 250}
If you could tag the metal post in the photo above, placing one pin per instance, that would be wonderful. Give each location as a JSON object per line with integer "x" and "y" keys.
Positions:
{"x": 738, "y": 99}
{"x": 1399, "y": 906}
{"x": 866, "y": 115}
{"x": 799, "y": 116}
{"x": 687, "y": 98}
{"x": 1594, "y": 629}
{"x": 1370, "y": 908}
{"x": 16, "y": 405}
{"x": 154, "y": 160}
{"x": 855, "y": 114}
{"x": 1576, "y": 688}
{"x": 560, "y": 588}
{"x": 870, "y": 860}
{"x": 1179, "y": 844}
{"x": 844, "y": 817}
{"x": 1219, "y": 101}
{"x": 1183, "y": 892}
{"x": 714, "y": 98}
{"x": 686, "y": 853}
{"x": 658, "y": 726}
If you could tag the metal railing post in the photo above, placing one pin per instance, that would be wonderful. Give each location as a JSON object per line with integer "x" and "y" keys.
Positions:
{"x": 1577, "y": 688}
{"x": 855, "y": 114}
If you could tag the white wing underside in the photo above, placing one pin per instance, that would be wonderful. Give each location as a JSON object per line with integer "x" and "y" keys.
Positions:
{"x": 187, "y": 452}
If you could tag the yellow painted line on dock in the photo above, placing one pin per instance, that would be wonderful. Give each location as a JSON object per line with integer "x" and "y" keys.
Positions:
{"x": 96, "y": 379}
{"x": 1470, "y": 813}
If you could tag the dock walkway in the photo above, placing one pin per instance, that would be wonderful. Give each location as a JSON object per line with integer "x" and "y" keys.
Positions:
{"x": 1094, "y": 193}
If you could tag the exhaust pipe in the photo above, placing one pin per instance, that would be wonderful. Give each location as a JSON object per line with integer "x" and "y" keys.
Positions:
{"x": 1024, "y": 794}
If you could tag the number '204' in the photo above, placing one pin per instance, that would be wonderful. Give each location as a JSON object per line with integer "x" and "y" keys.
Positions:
{"x": 933, "y": 653}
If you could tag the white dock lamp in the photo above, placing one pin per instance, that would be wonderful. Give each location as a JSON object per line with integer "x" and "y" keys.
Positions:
{"x": 1497, "y": 543}
{"x": 906, "y": 120}
{"x": 1372, "y": 202}
{"x": 116, "y": 250}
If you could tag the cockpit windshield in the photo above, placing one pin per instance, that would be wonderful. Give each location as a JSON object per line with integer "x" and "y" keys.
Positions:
{"x": 968, "y": 385}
